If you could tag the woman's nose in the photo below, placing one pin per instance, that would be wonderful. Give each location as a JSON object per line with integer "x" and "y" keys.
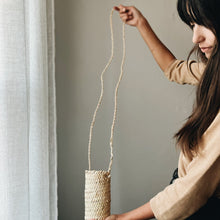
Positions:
{"x": 197, "y": 35}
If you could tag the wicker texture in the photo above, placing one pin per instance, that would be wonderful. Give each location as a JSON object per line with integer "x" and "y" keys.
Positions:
{"x": 97, "y": 194}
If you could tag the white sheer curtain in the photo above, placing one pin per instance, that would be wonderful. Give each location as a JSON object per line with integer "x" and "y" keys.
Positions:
{"x": 28, "y": 156}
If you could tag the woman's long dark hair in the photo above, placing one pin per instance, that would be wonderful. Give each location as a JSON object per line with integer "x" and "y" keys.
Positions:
{"x": 207, "y": 105}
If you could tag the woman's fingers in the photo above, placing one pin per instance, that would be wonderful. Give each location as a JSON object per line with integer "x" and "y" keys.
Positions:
{"x": 112, "y": 217}
{"x": 129, "y": 14}
{"x": 121, "y": 9}
{"x": 116, "y": 8}
{"x": 124, "y": 13}
{"x": 125, "y": 17}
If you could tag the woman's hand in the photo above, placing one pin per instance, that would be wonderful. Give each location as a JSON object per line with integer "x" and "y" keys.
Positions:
{"x": 112, "y": 217}
{"x": 130, "y": 15}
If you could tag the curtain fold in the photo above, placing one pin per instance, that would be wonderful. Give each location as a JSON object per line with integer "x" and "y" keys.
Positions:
{"x": 28, "y": 145}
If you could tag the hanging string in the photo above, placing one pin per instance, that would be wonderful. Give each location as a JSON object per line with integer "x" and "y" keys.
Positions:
{"x": 102, "y": 92}
{"x": 116, "y": 96}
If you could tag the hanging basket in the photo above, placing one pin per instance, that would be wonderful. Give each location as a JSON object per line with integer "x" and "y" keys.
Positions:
{"x": 97, "y": 194}
{"x": 97, "y": 183}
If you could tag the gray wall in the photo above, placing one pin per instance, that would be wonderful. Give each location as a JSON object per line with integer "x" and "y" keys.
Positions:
{"x": 150, "y": 108}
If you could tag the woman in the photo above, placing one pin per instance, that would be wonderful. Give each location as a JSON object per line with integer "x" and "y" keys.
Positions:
{"x": 195, "y": 193}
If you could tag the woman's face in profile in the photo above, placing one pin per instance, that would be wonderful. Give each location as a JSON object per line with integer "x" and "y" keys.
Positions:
{"x": 205, "y": 38}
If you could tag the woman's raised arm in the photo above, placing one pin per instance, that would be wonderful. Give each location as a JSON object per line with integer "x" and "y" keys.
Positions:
{"x": 132, "y": 16}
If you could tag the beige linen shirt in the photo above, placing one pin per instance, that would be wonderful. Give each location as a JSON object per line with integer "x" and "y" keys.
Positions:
{"x": 199, "y": 178}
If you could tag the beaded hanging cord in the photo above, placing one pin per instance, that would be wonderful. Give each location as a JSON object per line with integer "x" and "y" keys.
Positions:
{"x": 97, "y": 183}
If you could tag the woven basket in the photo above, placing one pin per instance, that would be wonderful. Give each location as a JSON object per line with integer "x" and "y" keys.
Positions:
{"x": 97, "y": 194}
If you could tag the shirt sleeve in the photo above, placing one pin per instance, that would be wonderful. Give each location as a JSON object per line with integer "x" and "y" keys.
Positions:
{"x": 184, "y": 72}
{"x": 190, "y": 192}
